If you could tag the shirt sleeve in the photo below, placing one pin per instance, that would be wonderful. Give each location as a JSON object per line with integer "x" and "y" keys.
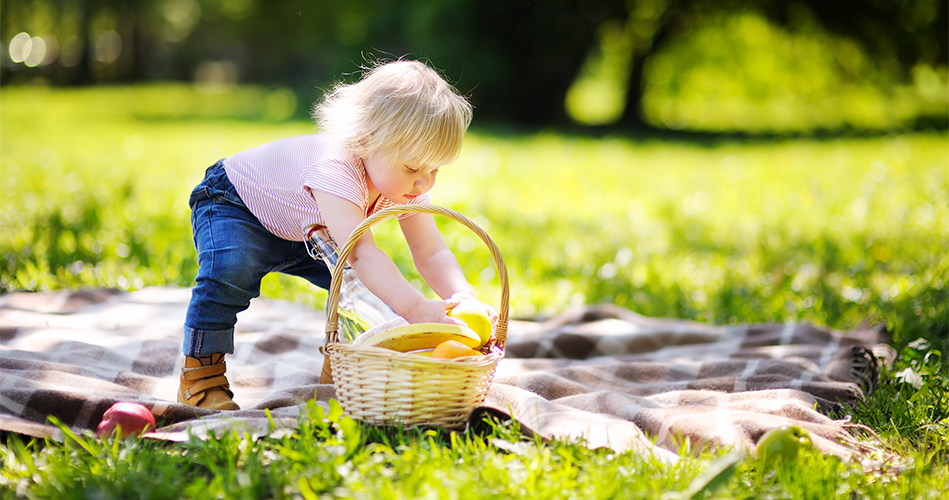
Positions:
{"x": 339, "y": 178}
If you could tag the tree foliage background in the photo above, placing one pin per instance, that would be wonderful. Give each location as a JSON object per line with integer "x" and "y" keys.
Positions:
{"x": 741, "y": 65}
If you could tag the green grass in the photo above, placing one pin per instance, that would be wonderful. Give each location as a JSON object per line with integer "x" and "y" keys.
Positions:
{"x": 832, "y": 231}
{"x": 330, "y": 456}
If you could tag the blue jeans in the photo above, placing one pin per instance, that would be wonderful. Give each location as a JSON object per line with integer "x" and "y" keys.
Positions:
{"x": 235, "y": 252}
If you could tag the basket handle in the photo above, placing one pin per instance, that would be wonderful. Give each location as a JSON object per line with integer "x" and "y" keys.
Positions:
{"x": 332, "y": 314}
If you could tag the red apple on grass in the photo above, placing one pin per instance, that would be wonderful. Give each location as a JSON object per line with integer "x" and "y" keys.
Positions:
{"x": 128, "y": 418}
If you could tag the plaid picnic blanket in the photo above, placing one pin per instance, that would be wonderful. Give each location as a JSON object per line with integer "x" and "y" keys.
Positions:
{"x": 602, "y": 375}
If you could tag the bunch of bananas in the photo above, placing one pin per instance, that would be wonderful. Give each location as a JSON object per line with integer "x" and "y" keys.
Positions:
{"x": 436, "y": 340}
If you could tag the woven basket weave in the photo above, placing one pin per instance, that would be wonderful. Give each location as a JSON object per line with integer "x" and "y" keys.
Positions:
{"x": 386, "y": 387}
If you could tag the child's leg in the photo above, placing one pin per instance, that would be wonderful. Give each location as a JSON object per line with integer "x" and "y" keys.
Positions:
{"x": 235, "y": 252}
{"x": 316, "y": 272}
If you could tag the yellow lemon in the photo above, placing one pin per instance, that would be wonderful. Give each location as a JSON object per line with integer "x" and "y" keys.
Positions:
{"x": 453, "y": 349}
{"x": 475, "y": 316}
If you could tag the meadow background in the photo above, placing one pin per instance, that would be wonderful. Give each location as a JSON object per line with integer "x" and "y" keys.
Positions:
{"x": 831, "y": 230}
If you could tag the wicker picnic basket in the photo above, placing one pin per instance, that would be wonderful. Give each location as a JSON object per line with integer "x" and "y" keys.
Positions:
{"x": 386, "y": 387}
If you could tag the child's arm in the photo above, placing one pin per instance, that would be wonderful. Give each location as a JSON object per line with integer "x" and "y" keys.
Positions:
{"x": 433, "y": 259}
{"x": 374, "y": 267}
{"x": 436, "y": 263}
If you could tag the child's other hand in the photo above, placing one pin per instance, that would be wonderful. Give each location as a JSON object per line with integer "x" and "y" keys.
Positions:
{"x": 432, "y": 311}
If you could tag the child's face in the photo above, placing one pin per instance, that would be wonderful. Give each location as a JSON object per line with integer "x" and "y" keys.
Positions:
{"x": 397, "y": 179}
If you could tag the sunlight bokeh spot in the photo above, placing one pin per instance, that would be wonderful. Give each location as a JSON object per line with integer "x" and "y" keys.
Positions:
{"x": 37, "y": 52}
{"x": 281, "y": 104}
{"x": 623, "y": 257}
{"x": 72, "y": 51}
{"x": 134, "y": 146}
{"x": 237, "y": 9}
{"x": 731, "y": 168}
{"x": 20, "y": 47}
{"x": 108, "y": 47}
{"x": 607, "y": 271}
{"x": 351, "y": 28}
{"x": 181, "y": 16}
{"x": 672, "y": 117}
{"x": 52, "y": 50}
{"x": 215, "y": 76}
{"x": 931, "y": 83}
{"x": 487, "y": 275}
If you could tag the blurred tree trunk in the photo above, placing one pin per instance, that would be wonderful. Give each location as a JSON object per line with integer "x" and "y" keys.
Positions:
{"x": 516, "y": 58}
{"x": 648, "y": 30}
{"x": 83, "y": 74}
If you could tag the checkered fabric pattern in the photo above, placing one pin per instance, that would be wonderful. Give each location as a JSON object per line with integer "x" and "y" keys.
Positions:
{"x": 603, "y": 375}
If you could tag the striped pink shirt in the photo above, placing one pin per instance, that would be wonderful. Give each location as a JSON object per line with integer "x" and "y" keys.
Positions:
{"x": 276, "y": 182}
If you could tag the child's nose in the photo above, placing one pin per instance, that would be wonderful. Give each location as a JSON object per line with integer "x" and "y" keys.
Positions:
{"x": 423, "y": 181}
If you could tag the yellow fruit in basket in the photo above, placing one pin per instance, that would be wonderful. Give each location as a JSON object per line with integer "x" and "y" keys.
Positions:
{"x": 421, "y": 336}
{"x": 453, "y": 349}
{"x": 475, "y": 316}
{"x": 422, "y": 352}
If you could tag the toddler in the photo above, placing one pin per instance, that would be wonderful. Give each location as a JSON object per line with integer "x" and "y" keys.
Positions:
{"x": 382, "y": 141}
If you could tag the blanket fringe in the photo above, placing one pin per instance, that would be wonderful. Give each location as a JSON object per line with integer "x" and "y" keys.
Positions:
{"x": 872, "y": 455}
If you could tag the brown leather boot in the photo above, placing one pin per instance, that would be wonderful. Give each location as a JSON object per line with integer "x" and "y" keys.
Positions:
{"x": 326, "y": 377}
{"x": 204, "y": 385}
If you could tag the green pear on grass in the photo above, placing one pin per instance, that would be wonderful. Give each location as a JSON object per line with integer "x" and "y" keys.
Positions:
{"x": 783, "y": 443}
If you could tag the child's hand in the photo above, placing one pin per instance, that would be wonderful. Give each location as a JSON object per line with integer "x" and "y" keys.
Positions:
{"x": 432, "y": 311}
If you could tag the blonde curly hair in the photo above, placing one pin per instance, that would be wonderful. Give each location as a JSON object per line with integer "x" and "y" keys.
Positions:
{"x": 401, "y": 107}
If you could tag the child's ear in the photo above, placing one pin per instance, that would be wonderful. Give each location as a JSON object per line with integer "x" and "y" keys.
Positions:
{"x": 360, "y": 147}
{"x": 363, "y": 144}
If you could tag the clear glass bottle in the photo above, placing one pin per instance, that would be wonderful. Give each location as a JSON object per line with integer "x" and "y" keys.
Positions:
{"x": 359, "y": 309}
